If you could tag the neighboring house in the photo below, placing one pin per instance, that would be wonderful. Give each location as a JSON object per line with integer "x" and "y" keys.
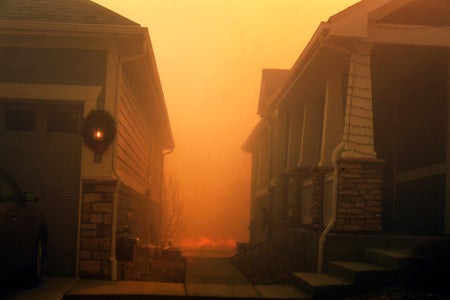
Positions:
{"x": 372, "y": 87}
{"x": 60, "y": 61}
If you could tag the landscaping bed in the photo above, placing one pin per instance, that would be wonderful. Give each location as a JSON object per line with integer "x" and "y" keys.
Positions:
{"x": 264, "y": 265}
{"x": 155, "y": 266}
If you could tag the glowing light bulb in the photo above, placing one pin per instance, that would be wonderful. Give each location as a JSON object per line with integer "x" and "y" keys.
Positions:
{"x": 98, "y": 134}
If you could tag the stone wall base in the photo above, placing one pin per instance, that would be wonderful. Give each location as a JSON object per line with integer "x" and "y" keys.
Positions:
{"x": 96, "y": 228}
{"x": 359, "y": 206}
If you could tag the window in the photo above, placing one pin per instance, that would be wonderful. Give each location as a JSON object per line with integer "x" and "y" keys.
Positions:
{"x": 20, "y": 120}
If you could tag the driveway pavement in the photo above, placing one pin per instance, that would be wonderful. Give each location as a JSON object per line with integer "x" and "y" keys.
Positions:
{"x": 51, "y": 288}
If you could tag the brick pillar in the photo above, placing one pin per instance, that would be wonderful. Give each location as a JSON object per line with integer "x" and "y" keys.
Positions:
{"x": 279, "y": 225}
{"x": 318, "y": 175}
{"x": 295, "y": 195}
{"x": 96, "y": 228}
{"x": 359, "y": 206}
{"x": 282, "y": 186}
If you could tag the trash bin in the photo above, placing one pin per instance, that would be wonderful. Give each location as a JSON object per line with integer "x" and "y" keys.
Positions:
{"x": 126, "y": 248}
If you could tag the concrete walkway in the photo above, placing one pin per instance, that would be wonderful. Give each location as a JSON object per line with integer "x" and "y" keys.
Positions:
{"x": 206, "y": 277}
{"x": 216, "y": 277}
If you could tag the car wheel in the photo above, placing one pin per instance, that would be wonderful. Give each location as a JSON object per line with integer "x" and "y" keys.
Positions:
{"x": 34, "y": 272}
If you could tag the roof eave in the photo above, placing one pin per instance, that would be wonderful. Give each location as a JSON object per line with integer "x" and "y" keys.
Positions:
{"x": 303, "y": 60}
{"x": 49, "y": 28}
{"x": 170, "y": 143}
{"x": 255, "y": 133}
{"x": 29, "y": 27}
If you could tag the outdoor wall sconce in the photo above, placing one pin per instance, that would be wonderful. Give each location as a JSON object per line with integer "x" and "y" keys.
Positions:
{"x": 99, "y": 134}
{"x": 98, "y": 130}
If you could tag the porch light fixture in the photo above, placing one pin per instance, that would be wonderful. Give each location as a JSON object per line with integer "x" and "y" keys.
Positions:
{"x": 98, "y": 130}
{"x": 99, "y": 134}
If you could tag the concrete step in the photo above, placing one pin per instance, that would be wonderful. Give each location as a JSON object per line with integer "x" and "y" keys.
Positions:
{"x": 362, "y": 274}
{"x": 281, "y": 292}
{"x": 322, "y": 286}
{"x": 390, "y": 258}
{"x": 402, "y": 260}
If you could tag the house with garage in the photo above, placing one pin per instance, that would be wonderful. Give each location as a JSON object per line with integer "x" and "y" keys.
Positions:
{"x": 352, "y": 148}
{"x": 83, "y": 123}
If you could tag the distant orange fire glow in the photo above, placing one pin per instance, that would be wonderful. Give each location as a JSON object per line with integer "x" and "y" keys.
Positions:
{"x": 208, "y": 243}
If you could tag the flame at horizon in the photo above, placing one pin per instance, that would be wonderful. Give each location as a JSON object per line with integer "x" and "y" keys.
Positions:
{"x": 208, "y": 243}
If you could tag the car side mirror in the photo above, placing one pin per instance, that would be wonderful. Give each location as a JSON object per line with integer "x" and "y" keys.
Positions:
{"x": 31, "y": 197}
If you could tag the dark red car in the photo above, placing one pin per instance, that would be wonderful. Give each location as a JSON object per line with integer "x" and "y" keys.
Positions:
{"x": 23, "y": 233}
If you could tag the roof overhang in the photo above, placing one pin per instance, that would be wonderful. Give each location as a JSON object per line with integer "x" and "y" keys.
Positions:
{"x": 28, "y": 27}
{"x": 137, "y": 43}
{"x": 339, "y": 33}
{"x": 256, "y": 134}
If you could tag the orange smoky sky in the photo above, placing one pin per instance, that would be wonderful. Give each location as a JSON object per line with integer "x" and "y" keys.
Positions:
{"x": 210, "y": 54}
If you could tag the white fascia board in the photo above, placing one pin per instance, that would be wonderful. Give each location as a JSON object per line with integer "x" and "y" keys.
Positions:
{"x": 354, "y": 23}
{"x": 408, "y": 35}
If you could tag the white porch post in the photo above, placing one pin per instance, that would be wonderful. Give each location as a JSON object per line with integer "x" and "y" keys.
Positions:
{"x": 358, "y": 127}
{"x": 333, "y": 116}
{"x": 311, "y": 133}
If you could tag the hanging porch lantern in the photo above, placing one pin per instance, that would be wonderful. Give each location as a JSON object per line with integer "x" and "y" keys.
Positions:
{"x": 98, "y": 130}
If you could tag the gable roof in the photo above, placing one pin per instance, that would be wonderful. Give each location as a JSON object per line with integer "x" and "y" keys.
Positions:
{"x": 60, "y": 11}
{"x": 349, "y": 24}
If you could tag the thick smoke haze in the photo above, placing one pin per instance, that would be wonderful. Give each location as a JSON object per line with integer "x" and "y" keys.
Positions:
{"x": 210, "y": 55}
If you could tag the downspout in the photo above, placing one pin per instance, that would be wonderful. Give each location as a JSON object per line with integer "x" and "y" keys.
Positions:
{"x": 323, "y": 235}
{"x": 115, "y": 208}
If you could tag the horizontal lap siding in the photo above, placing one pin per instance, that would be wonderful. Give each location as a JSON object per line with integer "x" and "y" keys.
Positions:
{"x": 133, "y": 141}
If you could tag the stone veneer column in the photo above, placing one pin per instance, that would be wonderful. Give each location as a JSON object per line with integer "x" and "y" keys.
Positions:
{"x": 359, "y": 203}
{"x": 96, "y": 228}
{"x": 359, "y": 206}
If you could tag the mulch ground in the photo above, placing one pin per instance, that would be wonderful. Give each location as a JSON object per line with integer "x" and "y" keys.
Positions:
{"x": 264, "y": 265}
{"x": 155, "y": 267}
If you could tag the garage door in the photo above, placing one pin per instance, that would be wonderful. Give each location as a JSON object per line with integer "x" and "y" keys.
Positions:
{"x": 41, "y": 148}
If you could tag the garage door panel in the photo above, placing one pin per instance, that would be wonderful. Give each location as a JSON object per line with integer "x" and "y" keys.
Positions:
{"x": 61, "y": 249}
{"x": 59, "y": 209}
{"x": 20, "y": 142}
{"x": 20, "y": 165}
{"x": 49, "y": 164}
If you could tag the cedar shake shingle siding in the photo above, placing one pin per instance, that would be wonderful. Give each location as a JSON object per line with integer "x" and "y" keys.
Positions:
{"x": 60, "y": 11}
